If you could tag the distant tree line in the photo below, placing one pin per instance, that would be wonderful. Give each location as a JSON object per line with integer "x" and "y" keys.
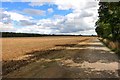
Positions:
{"x": 13, "y": 34}
{"x": 108, "y": 24}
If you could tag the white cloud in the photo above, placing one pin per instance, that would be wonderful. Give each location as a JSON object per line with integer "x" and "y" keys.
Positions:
{"x": 88, "y": 32}
{"x": 80, "y": 21}
{"x": 35, "y": 29}
{"x": 47, "y": 22}
{"x": 16, "y": 16}
{"x": 40, "y": 2}
{"x": 64, "y": 4}
{"x": 7, "y": 19}
{"x": 34, "y": 12}
{"x": 50, "y": 10}
{"x": 7, "y": 27}
{"x": 26, "y": 23}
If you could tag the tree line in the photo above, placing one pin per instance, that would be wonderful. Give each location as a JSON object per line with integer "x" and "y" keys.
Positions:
{"x": 13, "y": 34}
{"x": 108, "y": 24}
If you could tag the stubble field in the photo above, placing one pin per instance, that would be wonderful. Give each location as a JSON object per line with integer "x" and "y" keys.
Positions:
{"x": 58, "y": 57}
{"x": 15, "y": 48}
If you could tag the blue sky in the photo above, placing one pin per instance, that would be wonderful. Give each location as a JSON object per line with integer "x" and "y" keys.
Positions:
{"x": 18, "y": 6}
{"x": 49, "y": 16}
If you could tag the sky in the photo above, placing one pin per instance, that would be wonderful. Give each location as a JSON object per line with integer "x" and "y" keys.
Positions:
{"x": 49, "y": 16}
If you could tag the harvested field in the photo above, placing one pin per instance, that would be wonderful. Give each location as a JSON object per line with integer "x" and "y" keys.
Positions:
{"x": 13, "y": 48}
{"x": 64, "y": 57}
{"x": 58, "y": 57}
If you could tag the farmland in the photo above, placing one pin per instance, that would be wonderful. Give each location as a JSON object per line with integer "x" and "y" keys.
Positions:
{"x": 13, "y": 48}
{"x": 58, "y": 57}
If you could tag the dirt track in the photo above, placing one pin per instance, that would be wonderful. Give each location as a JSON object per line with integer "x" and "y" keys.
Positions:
{"x": 86, "y": 59}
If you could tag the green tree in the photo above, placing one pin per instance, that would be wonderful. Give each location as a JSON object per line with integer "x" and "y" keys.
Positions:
{"x": 108, "y": 25}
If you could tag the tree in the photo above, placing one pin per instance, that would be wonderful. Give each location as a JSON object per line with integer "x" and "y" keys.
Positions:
{"x": 108, "y": 25}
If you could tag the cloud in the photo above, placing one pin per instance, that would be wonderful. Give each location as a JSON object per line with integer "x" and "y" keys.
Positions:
{"x": 88, "y": 32}
{"x": 34, "y": 12}
{"x": 13, "y": 16}
{"x": 80, "y": 21}
{"x": 7, "y": 19}
{"x": 40, "y": 2}
{"x": 35, "y": 29}
{"x": 75, "y": 5}
{"x": 50, "y": 10}
{"x": 7, "y": 27}
{"x": 26, "y": 23}
{"x": 64, "y": 4}
{"x": 70, "y": 23}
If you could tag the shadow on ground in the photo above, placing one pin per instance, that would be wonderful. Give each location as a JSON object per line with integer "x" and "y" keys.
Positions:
{"x": 67, "y": 63}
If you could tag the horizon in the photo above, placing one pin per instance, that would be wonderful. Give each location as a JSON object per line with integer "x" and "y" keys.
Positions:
{"x": 49, "y": 34}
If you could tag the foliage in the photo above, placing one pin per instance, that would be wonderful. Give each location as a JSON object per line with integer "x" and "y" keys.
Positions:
{"x": 13, "y": 34}
{"x": 108, "y": 24}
